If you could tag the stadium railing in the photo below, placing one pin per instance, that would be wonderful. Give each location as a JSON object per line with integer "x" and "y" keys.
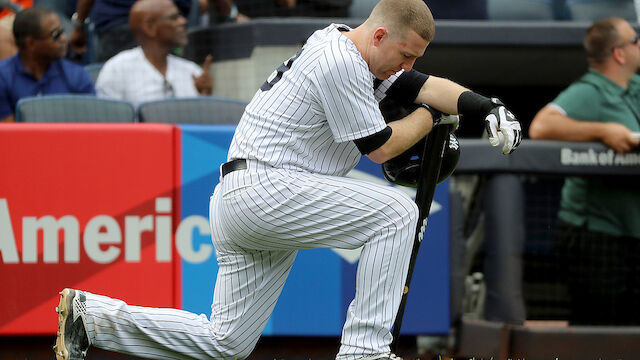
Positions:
{"x": 513, "y": 200}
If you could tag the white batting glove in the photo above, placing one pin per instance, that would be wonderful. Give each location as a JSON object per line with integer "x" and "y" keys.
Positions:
{"x": 503, "y": 127}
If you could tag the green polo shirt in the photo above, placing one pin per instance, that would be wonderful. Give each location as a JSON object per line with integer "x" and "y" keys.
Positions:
{"x": 606, "y": 204}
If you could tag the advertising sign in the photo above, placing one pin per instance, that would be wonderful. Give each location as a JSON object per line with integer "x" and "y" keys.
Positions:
{"x": 122, "y": 210}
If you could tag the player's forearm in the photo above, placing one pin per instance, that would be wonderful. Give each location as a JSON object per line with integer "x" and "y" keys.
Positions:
{"x": 404, "y": 134}
{"x": 441, "y": 94}
{"x": 551, "y": 124}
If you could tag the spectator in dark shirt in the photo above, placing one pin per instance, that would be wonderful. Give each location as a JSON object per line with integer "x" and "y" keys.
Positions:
{"x": 39, "y": 68}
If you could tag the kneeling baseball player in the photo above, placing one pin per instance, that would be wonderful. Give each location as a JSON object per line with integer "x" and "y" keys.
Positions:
{"x": 284, "y": 189}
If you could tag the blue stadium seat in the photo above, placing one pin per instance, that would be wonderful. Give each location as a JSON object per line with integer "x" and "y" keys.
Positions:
{"x": 192, "y": 110}
{"x": 73, "y": 108}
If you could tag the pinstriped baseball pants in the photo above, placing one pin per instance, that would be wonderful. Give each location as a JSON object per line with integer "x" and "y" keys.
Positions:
{"x": 259, "y": 219}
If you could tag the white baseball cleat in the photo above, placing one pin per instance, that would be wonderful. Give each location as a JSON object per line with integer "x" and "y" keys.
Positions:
{"x": 72, "y": 342}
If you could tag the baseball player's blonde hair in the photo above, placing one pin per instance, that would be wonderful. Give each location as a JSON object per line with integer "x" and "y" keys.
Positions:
{"x": 398, "y": 16}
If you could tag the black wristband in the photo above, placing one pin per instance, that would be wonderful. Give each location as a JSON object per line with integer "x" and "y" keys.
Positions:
{"x": 474, "y": 105}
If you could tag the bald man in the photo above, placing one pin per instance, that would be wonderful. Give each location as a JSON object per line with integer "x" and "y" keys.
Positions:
{"x": 150, "y": 71}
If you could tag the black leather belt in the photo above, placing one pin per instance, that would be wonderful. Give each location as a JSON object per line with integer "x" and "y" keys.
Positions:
{"x": 233, "y": 165}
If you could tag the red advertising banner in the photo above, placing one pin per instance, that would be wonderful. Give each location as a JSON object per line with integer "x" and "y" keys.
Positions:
{"x": 90, "y": 206}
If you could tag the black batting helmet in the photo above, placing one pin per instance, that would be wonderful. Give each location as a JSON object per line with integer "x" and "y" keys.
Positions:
{"x": 404, "y": 169}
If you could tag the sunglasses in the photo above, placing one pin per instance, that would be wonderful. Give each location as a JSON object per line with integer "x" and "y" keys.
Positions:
{"x": 633, "y": 41}
{"x": 56, "y": 34}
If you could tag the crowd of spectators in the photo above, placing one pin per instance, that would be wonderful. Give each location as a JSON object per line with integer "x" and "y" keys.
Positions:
{"x": 35, "y": 51}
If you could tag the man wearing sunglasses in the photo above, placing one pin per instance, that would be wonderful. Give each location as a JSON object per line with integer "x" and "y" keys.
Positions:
{"x": 39, "y": 68}
{"x": 598, "y": 223}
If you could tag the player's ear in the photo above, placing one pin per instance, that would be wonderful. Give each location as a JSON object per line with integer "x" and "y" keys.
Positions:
{"x": 378, "y": 35}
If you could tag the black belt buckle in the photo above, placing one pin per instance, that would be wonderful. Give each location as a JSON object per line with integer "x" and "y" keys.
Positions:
{"x": 233, "y": 165}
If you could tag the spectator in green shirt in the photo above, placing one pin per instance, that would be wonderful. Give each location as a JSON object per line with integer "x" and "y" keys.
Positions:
{"x": 599, "y": 218}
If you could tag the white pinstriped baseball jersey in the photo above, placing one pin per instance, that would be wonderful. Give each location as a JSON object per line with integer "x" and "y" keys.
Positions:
{"x": 297, "y": 135}
{"x": 311, "y": 108}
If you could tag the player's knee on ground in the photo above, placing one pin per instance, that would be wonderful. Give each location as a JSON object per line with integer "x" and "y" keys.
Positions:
{"x": 239, "y": 353}
{"x": 231, "y": 353}
{"x": 231, "y": 347}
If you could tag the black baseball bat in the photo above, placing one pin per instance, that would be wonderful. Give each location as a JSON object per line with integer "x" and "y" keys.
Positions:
{"x": 428, "y": 180}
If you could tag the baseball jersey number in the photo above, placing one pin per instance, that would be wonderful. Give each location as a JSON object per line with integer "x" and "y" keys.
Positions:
{"x": 279, "y": 71}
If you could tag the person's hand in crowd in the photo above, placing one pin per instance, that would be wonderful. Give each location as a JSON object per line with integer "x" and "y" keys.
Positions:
{"x": 204, "y": 82}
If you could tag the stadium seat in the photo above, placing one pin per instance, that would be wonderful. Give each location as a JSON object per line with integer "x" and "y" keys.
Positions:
{"x": 73, "y": 108}
{"x": 520, "y": 9}
{"x": 193, "y": 110}
{"x": 592, "y": 10}
{"x": 94, "y": 70}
